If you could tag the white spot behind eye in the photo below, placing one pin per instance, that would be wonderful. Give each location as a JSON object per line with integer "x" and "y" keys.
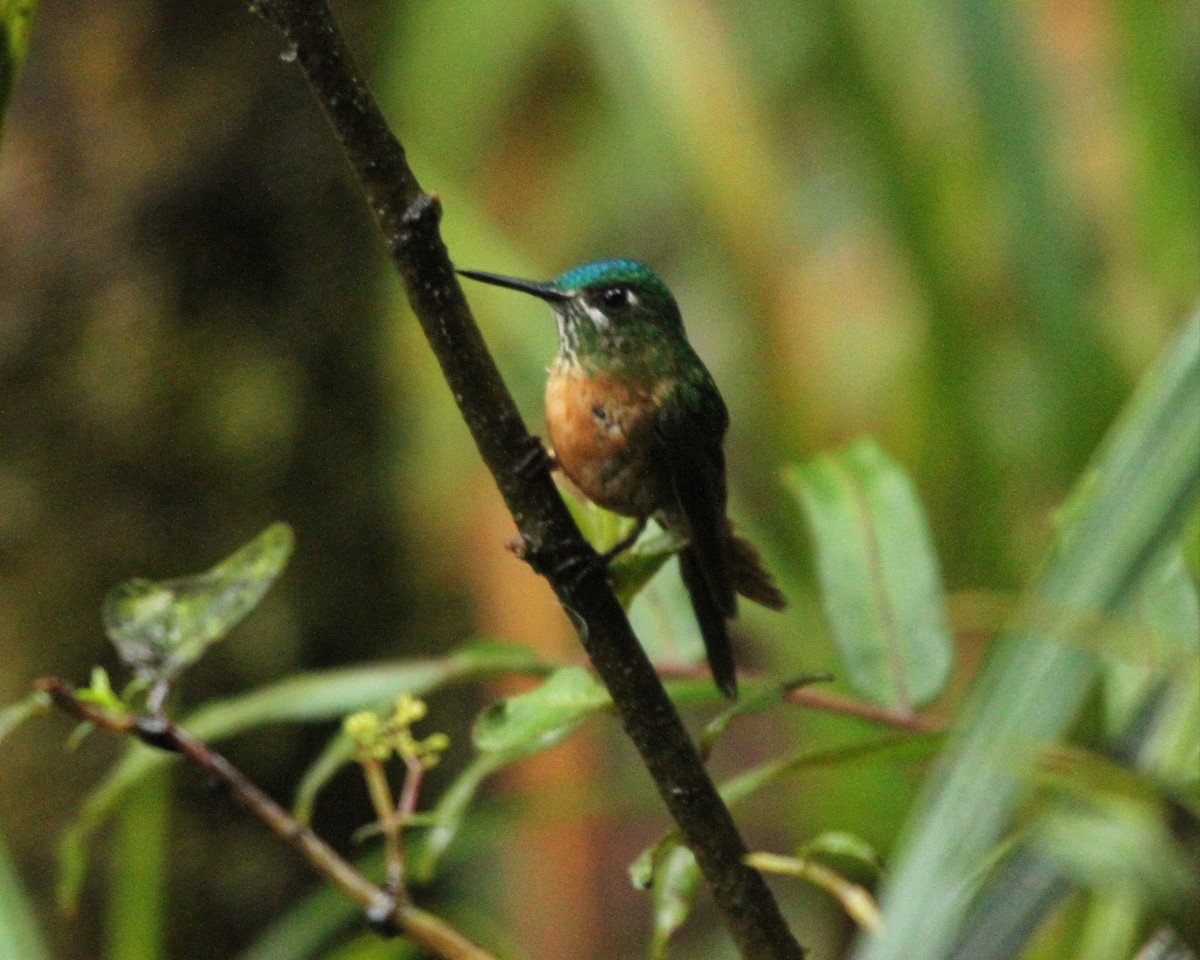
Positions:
{"x": 597, "y": 316}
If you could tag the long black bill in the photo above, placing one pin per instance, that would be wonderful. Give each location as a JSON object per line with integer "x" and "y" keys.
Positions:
{"x": 543, "y": 291}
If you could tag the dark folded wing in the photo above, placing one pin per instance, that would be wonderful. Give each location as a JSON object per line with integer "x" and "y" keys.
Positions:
{"x": 691, "y": 427}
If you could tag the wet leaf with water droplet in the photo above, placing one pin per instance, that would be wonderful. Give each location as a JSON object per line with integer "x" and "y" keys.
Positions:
{"x": 160, "y": 627}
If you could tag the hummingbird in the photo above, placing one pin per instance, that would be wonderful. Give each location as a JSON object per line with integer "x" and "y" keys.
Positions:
{"x": 636, "y": 423}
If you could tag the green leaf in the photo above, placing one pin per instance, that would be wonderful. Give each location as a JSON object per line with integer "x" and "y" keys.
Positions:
{"x": 16, "y": 714}
{"x": 840, "y": 843}
{"x": 663, "y": 620}
{"x": 750, "y": 781}
{"x": 632, "y": 570}
{"x": 1123, "y": 845}
{"x": 161, "y": 627}
{"x": 880, "y": 585}
{"x": 668, "y": 869}
{"x": 101, "y": 694}
{"x": 1141, "y": 486}
{"x": 1166, "y": 612}
{"x": 136, "y": 885}
{"x": 338, "y": 753}
{"x": 673, "y": 894}
{"x": 855, "y": 899}
{"x": 16, "y": 19}
{"x": 19, "y": 933}
{"x": 306, "y": 698}
{"x": 665, "y": 861}
{"x": 368, "y": 946}
{"x": 601, "y": 528}
{"x": 566, "y": 698}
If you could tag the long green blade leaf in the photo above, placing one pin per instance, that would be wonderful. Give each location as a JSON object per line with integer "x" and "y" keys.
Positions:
{"x": 19, "y": 933}
{"x": 137, "y": 879}
{"x": 1129, "y": 507}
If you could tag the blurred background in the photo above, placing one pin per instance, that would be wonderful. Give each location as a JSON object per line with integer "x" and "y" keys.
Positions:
{"x": 963, "y": 227}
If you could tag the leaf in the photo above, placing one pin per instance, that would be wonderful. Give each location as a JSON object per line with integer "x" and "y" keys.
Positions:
{"x": 1167, "y": 609}
{"x": 136, "y": 882}
{"x": 566, "y": 698}
{"x": 161, "y": 627}
{"x": 601, "y": 528}
{"x": 750, "y": 781}
{"x": 631, "y": 571}
{"x": 668, "y": 869}
{"x": 1118, "y": 844}
{"x": 19, "y": 932}
{"x": 673, "y": 894}
{"x": 880, "y": 585}
{"x": 338, "y": 753}
{"x": 17, "y": 713}
{"x": 855, "y": 899}
{"x": 305, "y": 698}
{"x": 839, "y": 843}
{"x": 663, "y": 620}
{"x": 16, "y": 19}
{"x": 1142, "y": 484}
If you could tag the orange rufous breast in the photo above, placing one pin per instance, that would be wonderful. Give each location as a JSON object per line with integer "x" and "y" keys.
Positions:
{"x": 601, "y": 428}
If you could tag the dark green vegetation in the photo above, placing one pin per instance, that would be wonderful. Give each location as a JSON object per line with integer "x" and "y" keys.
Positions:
{"x": 964, "y": 234}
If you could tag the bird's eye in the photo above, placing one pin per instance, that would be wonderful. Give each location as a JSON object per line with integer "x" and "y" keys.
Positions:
{"x": 616, "y": 298}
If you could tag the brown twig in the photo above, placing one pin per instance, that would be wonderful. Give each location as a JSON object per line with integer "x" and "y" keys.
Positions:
{"x": 807, "y": 696}
{"x": 408, "y": 218}
{"x": 832, "y": 703}
{"x": 388, "y": 913}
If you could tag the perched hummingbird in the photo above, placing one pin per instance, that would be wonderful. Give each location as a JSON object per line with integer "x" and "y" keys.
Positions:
{"x": 636, "y": 423}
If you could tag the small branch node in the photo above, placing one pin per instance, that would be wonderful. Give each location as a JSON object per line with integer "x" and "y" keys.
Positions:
{"x": 381, "y": 915}
{"x": 535, "y": 461}
{"x": 155, "y": 730}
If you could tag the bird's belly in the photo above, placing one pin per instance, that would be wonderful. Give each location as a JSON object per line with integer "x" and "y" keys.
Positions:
{"x": 602, "y": 432}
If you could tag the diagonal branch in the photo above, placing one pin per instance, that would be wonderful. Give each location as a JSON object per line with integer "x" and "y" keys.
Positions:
{"x": 385, "y": 909}
{"x": 408, "y": 218}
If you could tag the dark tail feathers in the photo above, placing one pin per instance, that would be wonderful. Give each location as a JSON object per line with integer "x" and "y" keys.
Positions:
{"x": 750, "y": 577}
{"x": 711, "y": 619}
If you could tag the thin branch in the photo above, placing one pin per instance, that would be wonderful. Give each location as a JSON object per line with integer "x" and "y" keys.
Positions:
{"x": 390, "y": 824}
{"x": 832, "y": 703}
{"x": 814, "y": 699}
{"x": 390, "y": 914}
{"x": 408, "y": 218}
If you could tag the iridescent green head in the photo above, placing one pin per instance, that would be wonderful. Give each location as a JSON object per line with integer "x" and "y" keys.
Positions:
{"x": 609, "y": 310}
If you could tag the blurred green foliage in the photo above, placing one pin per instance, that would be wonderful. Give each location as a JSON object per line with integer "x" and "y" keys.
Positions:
{"x": 962, "y": 227}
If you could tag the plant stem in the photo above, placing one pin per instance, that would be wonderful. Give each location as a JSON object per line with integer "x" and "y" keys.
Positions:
{"x": 408, "y": 218}
{"x": 389, "y": 823}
